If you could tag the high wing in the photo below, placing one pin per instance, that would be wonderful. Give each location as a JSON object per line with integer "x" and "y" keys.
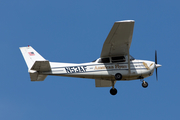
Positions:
{"x": 119, "y": 39}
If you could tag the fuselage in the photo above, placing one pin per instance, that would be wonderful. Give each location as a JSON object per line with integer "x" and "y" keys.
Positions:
{"x": 139, "y": 69}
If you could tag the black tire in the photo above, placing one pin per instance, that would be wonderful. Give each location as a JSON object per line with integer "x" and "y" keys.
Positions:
{"x": 118, "y": 76}
{"x": 145, "y": 85}
{"x": 113, "y": 91}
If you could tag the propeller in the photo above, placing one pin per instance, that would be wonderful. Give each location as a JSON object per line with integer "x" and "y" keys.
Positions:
{"x": 156, "y": 64}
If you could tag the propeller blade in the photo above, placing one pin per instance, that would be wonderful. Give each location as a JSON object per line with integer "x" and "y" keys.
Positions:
{"x": 156, "y": 75}
{"x": 156, "y": 57}
{"x": 156, "y": 67}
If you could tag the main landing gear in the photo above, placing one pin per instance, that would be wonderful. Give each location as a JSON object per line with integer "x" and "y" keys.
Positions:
{"x": 113, "y": 91}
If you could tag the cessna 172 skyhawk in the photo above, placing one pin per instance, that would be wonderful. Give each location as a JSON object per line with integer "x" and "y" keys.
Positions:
{"x": 114, "y": 64}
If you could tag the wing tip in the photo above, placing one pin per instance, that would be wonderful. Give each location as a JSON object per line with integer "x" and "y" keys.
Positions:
{"x": 125, "y": 21}
{"x": 25, "y": 47}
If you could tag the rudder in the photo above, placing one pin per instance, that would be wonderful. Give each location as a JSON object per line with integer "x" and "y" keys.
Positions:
{"x": 35, "y": 62}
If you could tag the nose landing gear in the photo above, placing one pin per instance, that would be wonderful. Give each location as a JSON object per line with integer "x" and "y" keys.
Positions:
{"x": 144, "y": 84}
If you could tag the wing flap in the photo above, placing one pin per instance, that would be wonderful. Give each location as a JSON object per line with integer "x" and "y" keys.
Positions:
{"x": 35, "y": 76}
{"x": 103, "y": 83}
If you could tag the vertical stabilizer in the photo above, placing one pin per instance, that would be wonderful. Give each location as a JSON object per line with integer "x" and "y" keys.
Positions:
{"x": 30, "y": 56}
{"x": 35, "y": 62}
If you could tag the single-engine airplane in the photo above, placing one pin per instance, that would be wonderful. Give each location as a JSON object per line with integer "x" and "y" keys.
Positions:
{"x": 115, "y": 62}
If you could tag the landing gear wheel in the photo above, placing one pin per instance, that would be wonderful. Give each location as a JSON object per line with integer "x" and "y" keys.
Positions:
{"x": 118, "y": 76}
{"x": 113, "y": 91}
{"x": 144, "y": 84}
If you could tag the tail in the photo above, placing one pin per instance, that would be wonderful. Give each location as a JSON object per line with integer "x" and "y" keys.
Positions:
{"x": 36, "y": 63}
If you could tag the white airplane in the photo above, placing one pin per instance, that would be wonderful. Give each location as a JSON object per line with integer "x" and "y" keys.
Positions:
{"x": 115, "y": 62}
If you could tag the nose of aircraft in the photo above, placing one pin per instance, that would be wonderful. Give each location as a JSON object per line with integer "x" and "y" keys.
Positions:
{"x": 158, "y": 65}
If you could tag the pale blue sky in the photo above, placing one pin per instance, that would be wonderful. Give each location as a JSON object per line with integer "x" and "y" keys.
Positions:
{"x": 74, "y": 31}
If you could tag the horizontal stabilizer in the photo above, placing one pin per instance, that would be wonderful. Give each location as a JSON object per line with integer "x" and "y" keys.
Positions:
{"x": 35, "y": 76}
{"x": 41, "y": 66}
{"x": 103, "y": 83}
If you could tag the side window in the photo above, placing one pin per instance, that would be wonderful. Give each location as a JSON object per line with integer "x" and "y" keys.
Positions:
{"x": 118, "y": 59}
{"x": 104, "y": 60}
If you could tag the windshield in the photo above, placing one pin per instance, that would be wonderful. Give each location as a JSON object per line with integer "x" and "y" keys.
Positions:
{"x": 132, "y": 58}
{"x": 94, "y": 60}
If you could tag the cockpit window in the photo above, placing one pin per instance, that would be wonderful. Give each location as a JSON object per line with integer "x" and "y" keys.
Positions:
{"x": 118, "y": 59}
{"x": 104, "y": 60}
{"x": 114, "y": 59}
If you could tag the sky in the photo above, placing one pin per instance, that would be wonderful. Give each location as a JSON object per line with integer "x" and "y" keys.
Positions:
{"x": 74, "y": 32}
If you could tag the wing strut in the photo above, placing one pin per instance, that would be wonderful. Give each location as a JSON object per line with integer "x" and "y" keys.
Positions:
{"x": 129, "y": 69}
